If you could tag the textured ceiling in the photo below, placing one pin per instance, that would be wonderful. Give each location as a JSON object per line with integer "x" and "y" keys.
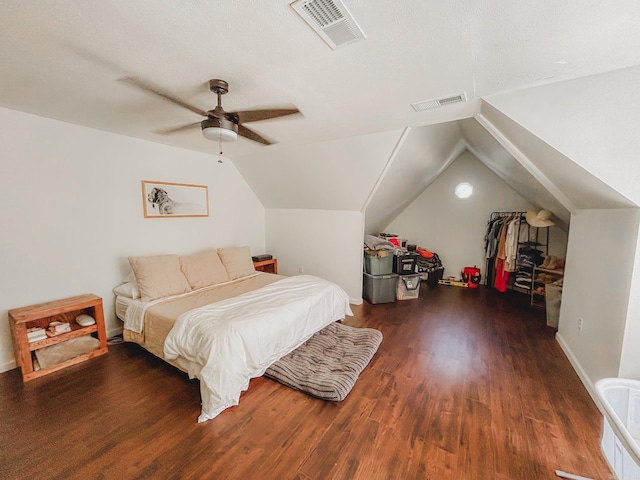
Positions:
{"x": 62, "y": 59}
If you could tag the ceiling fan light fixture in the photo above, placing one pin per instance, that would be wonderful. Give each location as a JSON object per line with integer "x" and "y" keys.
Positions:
{"x": 219, "y": 129}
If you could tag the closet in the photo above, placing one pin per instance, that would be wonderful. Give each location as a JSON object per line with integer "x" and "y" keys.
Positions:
{"x": 513, "y": 250}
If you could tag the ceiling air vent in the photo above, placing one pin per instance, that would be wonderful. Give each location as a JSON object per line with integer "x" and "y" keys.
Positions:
{"x": 439, "y": 102}
{"x": 331, "y": 20}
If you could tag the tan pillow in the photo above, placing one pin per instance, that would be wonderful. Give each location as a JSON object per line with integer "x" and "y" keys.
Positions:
{"x": 237, "y": 261}
{"x": 158, "y": 276}
{"x": 203, "y": 269}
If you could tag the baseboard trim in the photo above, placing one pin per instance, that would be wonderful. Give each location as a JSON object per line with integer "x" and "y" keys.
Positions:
{"x": 112, "y": 332}
{"x": 6, "y": 366}
{"x": 584, "y": 378}
{"x": 355, "y": 301}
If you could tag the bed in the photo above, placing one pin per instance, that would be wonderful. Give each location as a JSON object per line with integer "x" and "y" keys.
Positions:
{"x": 225, "y": 327}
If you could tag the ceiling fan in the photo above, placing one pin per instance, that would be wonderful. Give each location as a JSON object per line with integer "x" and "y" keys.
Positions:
{"x": 218, "y": 124}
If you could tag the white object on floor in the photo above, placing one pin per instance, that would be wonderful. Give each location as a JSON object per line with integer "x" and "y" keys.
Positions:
{"x": 619, "y": 400}
{"x": 570, "y": 476}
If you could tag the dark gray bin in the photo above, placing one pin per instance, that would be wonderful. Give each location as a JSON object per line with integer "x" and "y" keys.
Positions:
{"x": 379, "y": 288}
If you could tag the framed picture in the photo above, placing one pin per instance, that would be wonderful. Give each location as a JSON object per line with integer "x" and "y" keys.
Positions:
{"x": 166, "y": 199}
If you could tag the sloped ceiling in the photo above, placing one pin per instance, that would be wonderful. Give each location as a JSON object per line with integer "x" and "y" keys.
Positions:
{"x": 422, "y": 155}
{"x": 590, "y": 122}
{"x": 334, "y": 175}
{"x": 490, "y": 152}
{"x": 572, "y": 185}
{"x": 63, "y": 60}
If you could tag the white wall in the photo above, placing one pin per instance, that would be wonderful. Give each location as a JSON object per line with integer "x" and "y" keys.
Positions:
{"x": 630, "y": 358}
{"x": 454, "y": 228}
{"x": 325, "y": 243}
{"x": 73, "y": 211}
{"x": 600, "y": 261}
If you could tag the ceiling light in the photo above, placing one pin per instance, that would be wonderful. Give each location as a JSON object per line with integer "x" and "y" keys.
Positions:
{"x": 219, "y": 130}
{"x": 463, "y": 190}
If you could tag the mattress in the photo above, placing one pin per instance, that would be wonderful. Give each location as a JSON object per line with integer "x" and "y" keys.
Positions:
{"x": 122, "y": 303}
{"x": 227, "y": 334}
{"x": 160, "y": 317}
{"x": 229, "y": 342}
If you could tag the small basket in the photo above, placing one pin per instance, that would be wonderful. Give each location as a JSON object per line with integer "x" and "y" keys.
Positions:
{"x": 408, "y": 287}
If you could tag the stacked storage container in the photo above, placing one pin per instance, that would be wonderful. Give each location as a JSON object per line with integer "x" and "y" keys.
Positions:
{"x": 408, "y": 282}
{"x": 379, "y": 282}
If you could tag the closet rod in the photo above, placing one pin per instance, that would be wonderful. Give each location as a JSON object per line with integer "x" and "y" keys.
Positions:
{"x": 495, "y": 215}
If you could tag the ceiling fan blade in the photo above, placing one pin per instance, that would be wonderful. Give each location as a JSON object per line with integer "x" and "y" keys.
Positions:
{"x": 149, "y": 87}
{"x": 167, "y": 131}
{"x": 245, "y": 116}
{"x": 251, "y": 135}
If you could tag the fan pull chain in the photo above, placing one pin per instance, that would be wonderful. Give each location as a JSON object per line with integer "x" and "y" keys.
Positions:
{"x": 220, "y": 143}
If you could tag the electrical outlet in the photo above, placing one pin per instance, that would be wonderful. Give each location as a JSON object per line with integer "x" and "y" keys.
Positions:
{"x": 300, "y": 269}
{"x": 580, "y": 323}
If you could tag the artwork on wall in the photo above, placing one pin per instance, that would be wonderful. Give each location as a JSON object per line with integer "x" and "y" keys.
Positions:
{"x": 167, "y": 199}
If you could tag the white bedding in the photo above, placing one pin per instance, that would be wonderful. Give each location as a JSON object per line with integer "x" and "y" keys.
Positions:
{"x": 229, "y": 342}
{"x": 134, "y": 310}
{"x": 122, "y": 305}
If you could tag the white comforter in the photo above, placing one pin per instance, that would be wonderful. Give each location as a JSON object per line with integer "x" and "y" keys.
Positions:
{"x": 229, "y": 342}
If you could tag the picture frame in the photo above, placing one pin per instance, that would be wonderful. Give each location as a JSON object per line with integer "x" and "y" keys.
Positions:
{"x": 170, "y": 200}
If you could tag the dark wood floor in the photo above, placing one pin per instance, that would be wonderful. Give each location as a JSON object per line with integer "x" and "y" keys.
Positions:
{"x": 467, "y": 384}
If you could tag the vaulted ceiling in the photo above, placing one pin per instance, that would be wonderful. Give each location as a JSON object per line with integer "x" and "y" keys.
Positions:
{"x": 358, "y": 145}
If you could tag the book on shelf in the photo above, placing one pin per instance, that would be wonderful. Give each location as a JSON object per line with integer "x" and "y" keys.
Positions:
{"x": 37, "y": 339}
{"x": 35, "y": 334}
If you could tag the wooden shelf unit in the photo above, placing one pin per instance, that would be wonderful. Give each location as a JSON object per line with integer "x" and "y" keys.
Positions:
{"x": 539, "y": 290}
{"x": 268, "y": 266}
{"x": 41, "y": 315}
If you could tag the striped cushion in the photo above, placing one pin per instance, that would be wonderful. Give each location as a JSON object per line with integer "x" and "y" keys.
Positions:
{"x": 328, "y": 364}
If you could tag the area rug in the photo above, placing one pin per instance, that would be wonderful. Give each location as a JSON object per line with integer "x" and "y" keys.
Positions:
{"x": 329, "y": 363}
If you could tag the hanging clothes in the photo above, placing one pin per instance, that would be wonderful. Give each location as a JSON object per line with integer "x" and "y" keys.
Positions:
{"x": 501, "y": 242}
{"x": 511, "y": 248}
{"x": 502, "y": 276}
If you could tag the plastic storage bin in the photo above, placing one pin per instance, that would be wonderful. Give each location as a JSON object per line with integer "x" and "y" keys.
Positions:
{"x": 375, "y": 265}
{"x": 379, "y": 288}
{"x": 620, "y": 405}
{"x": 405, "y": 264}
{"x": 434, "y": 275}
{"x": 408, "y": 287}
{"x": 553, "y": 295}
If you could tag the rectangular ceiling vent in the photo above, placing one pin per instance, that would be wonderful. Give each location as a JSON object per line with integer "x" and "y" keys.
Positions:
{"x": 439, "y": 102}
{"x": 331, "y": 20}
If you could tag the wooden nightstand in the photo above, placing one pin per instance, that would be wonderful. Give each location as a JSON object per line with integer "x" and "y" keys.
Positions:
{"x": 268, "y": 266}
{"x": 41, "y": 315}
